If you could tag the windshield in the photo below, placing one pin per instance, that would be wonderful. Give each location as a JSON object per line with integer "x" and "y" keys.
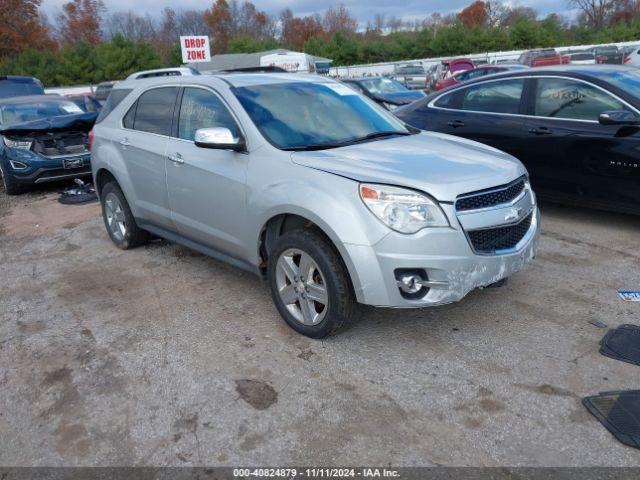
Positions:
{"x": 26, "y": 112}
{"x": 10, "y": 88}
{"x": 380, "y": 86}
{"x": 306, "y": 115}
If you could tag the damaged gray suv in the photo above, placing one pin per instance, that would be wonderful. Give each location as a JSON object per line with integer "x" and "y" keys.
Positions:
{"x": 303, "y": 181}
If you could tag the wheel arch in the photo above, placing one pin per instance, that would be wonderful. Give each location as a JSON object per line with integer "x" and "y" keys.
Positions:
{"x": 281, "y": 223}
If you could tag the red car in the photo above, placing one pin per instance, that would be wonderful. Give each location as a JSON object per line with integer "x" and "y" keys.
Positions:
{"x": 448, "y": 68}
{"x": 465, "y": 75}
{"x": 543, "y": 57}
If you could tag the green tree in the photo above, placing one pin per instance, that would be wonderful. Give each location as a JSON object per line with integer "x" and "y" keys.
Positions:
{"x": 524, "y": 33}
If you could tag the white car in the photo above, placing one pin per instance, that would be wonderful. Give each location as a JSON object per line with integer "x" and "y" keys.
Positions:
{"x": 632, "y": 59}
{"x": 164, "y": 72}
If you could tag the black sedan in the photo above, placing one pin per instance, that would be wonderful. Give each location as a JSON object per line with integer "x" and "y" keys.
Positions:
{"x": 386, "y": 91}
{"x": 575, "y": 128}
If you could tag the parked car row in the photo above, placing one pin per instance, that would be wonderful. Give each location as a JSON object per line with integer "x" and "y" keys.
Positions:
{"x": 450, "y": 72}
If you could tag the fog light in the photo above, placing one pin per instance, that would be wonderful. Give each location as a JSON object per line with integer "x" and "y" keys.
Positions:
{"x": 18, "y": 165}
{"x": 410, "y": 283}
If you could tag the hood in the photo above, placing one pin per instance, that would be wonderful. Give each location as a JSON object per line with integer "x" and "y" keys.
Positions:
{"x": 400, "y": 98}
{"x": 441, "y": 165}
{"x": 75, "y": 122}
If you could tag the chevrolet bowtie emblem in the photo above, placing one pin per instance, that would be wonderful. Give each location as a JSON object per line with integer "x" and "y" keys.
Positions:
{"x": 513, "y": 214}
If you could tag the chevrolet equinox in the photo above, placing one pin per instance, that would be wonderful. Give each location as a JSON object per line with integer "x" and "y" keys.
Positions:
{"x": 305, "y": 182}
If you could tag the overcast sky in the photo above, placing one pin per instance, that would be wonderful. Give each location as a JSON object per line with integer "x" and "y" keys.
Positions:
{"x": 363, "y": 10}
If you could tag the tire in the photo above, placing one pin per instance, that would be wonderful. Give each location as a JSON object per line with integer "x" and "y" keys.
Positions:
{"x": 296, "y": 298}
{"x": 11, "y": 187}
{"x": 118, "y": 219}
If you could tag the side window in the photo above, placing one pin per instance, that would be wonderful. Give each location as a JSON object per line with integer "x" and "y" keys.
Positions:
{"x": 154, "y": 111}
{"x": 203, "y": 109}
{"x": 445, "y": 101}
{"x": 113, "y": 100}
{"x": 128, "y": 119}
{"x": 496, "y": 97}
{"x": 565, "y": 98}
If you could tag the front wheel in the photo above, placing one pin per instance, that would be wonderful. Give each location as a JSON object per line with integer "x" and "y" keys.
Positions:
{"x": 11, "y": 187}
{"x": 310, "y": 284}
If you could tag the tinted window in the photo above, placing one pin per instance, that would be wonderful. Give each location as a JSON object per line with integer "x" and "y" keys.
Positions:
{"x": 564, "y": 98}
{"x": 113, "y": 100}
{"x": 445, "y": 101}
{"x": 10, "y": 88}
{"x": 155, "y": 110}
{"x": 203, "y": 109}
{"x": 498, "y": 97}
{"x": 410, "y": 69}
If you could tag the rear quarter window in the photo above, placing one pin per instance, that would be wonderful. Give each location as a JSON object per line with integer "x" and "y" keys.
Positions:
{"x": 113, "y": 100}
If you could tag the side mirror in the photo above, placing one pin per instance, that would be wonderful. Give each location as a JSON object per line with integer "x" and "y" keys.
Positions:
{"x": 219, "y": 138}
{"x": 619, "y": 117}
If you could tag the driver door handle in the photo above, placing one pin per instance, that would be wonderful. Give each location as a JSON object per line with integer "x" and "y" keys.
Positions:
{"x": 540, "y": 131}
{"x": 456, "y": 123}
{"x": 176, "y": 158}
{"x": 125, "y": 142}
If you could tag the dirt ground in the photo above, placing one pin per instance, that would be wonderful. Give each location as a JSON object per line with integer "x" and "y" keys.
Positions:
{"x": 161, "y": 356}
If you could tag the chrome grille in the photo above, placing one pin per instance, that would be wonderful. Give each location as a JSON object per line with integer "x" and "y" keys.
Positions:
{"x": 492, "y": 240}
{"x": 490, "y": 198}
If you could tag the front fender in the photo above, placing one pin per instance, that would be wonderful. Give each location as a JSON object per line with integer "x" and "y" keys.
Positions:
{"x": 329, "y": 201}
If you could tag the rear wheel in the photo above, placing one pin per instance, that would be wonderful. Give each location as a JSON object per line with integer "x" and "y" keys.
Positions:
{"x": 310, "y": 284}
{"x": 118, "y": 219}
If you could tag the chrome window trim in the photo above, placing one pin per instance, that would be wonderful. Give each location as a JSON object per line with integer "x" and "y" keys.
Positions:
{"x": 432, "y": 105}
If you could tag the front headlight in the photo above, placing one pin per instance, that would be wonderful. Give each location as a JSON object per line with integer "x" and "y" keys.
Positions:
{"x": 403, "y": 210}
{"x": 19, "y": 144}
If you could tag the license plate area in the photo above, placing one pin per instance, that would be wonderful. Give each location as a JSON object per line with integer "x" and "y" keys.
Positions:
{"x": 71, "y": 163}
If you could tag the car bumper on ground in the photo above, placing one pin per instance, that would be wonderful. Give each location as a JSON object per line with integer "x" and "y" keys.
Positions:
{"x": 446, "y": 258}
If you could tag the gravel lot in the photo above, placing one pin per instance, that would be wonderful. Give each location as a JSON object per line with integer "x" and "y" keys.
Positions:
{"x": 161, "y": 356}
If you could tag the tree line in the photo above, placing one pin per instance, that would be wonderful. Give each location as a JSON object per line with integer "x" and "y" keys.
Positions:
{"x": 84, "y": 43}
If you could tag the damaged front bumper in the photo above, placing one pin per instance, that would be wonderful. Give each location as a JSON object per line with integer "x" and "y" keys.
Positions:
{"x": 444, "y": 256}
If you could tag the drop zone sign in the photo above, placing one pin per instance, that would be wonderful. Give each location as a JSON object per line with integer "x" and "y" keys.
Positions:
{"x": 195, "y": 48}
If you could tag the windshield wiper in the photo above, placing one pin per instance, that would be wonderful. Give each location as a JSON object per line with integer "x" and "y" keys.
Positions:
{"x": 349, "y": 141}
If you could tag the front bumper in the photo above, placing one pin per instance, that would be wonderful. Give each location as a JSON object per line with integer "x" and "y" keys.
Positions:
{"x": 46, "y": 169}
{"x": 446, "y": 256}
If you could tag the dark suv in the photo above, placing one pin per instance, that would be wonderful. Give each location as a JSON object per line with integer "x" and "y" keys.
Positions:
{"x": 11, "y": 86}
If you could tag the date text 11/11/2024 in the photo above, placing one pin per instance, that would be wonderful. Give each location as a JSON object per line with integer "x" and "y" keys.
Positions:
{"x": 316, "y": 472}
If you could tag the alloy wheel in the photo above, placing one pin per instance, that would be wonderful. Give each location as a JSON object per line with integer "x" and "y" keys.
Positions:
{"x": 302, "y": 287}
{"x": 115, "y": 216}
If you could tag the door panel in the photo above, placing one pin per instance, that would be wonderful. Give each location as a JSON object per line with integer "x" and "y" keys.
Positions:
{"x": 143, "y": 143}
{"x": 571, "y": 154}
{"x": 207, "y": 187}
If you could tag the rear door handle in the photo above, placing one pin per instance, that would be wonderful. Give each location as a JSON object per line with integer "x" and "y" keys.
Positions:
{"x": 540, "y": 131}
{"x": 125, "y": 142}
{"x": 456, "y": 123}
{"x": 176, "y": 158}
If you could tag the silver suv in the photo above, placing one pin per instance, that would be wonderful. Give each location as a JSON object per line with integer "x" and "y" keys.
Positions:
{"x": 312, "y": 186}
